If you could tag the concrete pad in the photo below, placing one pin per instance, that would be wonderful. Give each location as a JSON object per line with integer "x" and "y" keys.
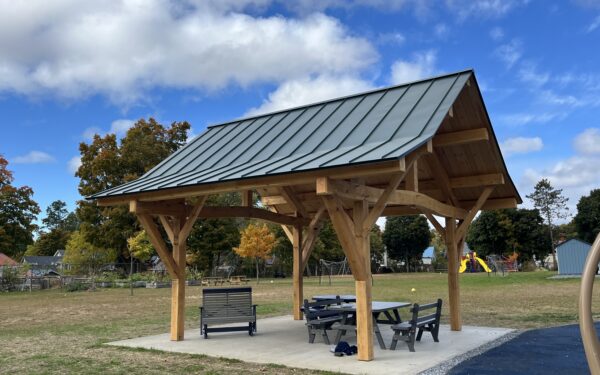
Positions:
{"x": 282, "y": 340}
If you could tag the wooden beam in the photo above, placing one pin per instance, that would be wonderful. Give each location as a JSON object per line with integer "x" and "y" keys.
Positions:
{"x": 441, "y": 177}
{"x": 297, "y": 272}
{"x": 461, "y": 137}
{"x": 158, "y": 243}
{"x": 364, "y": 315}
{"x": 462, "y": 229}
{"x": 291, "y": 198}
{"x": 382, "y": 201}
{"x": 425, "y": 202}
{"x": 312, "y": 233}
{"x": 247, "y": 198}
{"x": 436, "y": 224}
{"x": 178, "y": 285}
{"x": 191, "y": 219}
{"x": 251, "y": 212}
{"x": 174, "y": 207}
{"x": 168, "y": 227}
{"x": 453, "y": 284}
{"x": 493, "y": 204}
{"x": 412, "y": 178}
{"x": 297, "y": 178}
{"x": 476, "y": 181}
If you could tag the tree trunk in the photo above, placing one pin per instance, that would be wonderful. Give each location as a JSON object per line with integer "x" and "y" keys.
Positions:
{"x": 130, "y": 275}
{"x": 554, "y": 264}
{"x": 257, "y": 279}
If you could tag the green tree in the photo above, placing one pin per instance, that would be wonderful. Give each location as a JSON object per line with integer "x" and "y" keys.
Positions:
{"x": 18, "y": 212}
{"x": 256, "y": 242}
{"x": 587, "y": 220}
{"x": 58, "y": 225}
{"x": 56, "y": 215}
{"x": 406, "y": 237}
{"x": 377, "y": 246}
{"x": 140, "y": 247}
{"x": 552, "y": 205}
{"x": 106, "y": 163}
{"x": 440, "y": 261}
{"x": 84, "y": 257}
{"x": 48, "y": 242}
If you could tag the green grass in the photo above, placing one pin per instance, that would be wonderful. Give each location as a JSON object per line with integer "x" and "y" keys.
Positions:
{"x": 51, "y": 332}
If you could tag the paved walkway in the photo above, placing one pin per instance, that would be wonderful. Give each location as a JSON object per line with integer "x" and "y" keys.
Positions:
{"x": 281, "y": 340}
{"x": 545, "y": 351}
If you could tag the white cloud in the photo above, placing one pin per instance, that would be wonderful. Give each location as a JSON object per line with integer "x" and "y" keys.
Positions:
{"x": 483, "y": 8}
{"x": 521, "y": 145}
{"x": 510, "y": 52}
{"x": 551, "y": 98}
{"x": 441, "y": 30}
{"x": 120, "y": 127}
{"x": 497, "y": 33}
{"x": 527, "y": 118}
{"x": 422, "y": 65}
{"x": 588, "y": 142}
{"x": 528, "y": 73}
{"x": 309, "y": 90}
{"x": 594, "y": 25}
{"x": 88, "y": 133}
{"x": 396, "y": 38}
{"x": 121, "y": 49}
{"x": 33, "y": 157}
{"x": 73, "y": 164}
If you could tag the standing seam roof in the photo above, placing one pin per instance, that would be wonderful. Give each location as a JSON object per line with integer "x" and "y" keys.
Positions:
{"x": 375, "y": 126}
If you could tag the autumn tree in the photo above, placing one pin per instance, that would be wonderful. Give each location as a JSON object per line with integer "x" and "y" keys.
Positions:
{"x": 406, "y": 237}
{"x": 86, "y": 258}
{"x": 257, "y": 242}
{"x": 587, "y": 220}
{"x": 18, "y": 212}
{"x": 140, "y": 247}
{"x": 552, "y": 205}
{"x": 107, "y": 162}
{"x": 58, "y": 225}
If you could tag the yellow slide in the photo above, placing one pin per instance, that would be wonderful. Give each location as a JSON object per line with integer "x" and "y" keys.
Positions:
{"x": 463, "y": 264}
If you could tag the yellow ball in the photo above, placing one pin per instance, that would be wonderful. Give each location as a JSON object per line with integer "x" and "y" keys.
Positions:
{"x": 413, "y": 290}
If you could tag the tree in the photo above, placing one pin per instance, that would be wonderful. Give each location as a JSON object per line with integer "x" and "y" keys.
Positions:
{"x": 140, "y": 247}
{"x": 48, "y": 242}
{"x": 377, "y": 247}
{"x": 106, "y": 163}
{"x": 85, "y": 257}
{"x": 58, "y": 224}
{"x": 587, "y": 220}
{"x": 257, "y": 242}
{"x": 18, "y": 212}
{"x": 502, "y": 232}
{"x": 406, "y": 237}
{"x": 56, "y": 214}
{"x": 551, "y": 204}
{"x": 440, "y": 260}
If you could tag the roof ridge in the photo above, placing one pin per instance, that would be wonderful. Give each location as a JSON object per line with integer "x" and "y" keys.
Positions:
{"x": 241, "y": 119}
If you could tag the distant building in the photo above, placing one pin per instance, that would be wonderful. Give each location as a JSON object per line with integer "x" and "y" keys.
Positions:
{"x": 45, "y": 265}
{"x": 5, "y": 260}
{"x": 428, "y": 256}
{"x": 571, "y": 256}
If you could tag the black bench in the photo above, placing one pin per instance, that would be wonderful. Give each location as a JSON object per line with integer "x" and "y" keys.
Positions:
{"x": 227, "y": 306}
{"x": 319, "y": 318}
{"x": 406, "y": 331}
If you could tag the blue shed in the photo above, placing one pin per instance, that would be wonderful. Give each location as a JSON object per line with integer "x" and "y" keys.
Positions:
{"x": 571, "y": 256}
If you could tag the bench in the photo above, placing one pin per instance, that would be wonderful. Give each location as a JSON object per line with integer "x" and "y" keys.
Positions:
{"x": 238, "y": 280}
{"x": 319, "y": 318}
{"x": 212, "y": 281}
{"x": 226, "y": 306}
{"x": 406, "y": 331}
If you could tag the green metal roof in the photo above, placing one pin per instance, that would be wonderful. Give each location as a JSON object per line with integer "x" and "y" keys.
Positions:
{"x": 375, "y": 126}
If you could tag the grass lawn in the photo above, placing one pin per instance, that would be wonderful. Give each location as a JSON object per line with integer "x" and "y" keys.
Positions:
{"x": 54, "y": 331}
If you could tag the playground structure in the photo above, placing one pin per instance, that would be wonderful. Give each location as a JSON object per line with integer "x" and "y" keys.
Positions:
{"x": 331, "y": 268}
{"x": 503, "y": 264}
{"x": 472, "y": 263}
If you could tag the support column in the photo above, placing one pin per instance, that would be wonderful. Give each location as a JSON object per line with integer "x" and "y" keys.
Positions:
{"x": 178, "y": 285}
{"x": 364, "y": 313}
{"x": 297, "y": 272}
{"x": 453, "y": 282}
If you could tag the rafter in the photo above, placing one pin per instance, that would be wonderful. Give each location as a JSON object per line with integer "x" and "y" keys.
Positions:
{"x": 461, "y": 137}
{"x": 292, "y": 199}
{"x": 251, "y": 212}
{"x": 441, "y": 177}
{"x": 175, "y": 207}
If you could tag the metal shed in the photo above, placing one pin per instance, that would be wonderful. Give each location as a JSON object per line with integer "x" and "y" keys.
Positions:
{"x": 571, "y": 256}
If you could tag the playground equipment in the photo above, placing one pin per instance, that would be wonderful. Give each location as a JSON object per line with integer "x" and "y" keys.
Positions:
{"x": 331, "y": 268}
{"x": 502, "y": 263}
{"x": 470, "y": 261}
{"x": 589, "y": 335}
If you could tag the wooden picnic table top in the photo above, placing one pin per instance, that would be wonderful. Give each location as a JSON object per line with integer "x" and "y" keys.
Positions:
{"x": 376, "y": 306}
{"x": 343, "y": 297}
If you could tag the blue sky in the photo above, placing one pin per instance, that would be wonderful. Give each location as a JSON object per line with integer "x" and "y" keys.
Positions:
{"x": 69, "y": 69}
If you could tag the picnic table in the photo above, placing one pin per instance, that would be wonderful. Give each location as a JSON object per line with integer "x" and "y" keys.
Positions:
{"x": 346, "y": 298}
{"x": 212, "y": 281}
{"x": 383, "y": 313}
{"x": 238, "y": 280}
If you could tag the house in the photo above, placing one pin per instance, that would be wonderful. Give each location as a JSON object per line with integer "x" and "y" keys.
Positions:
{"x": 571, "y": 256}
{"x": 5, "y": 262}
{"x": 43, "y": 265}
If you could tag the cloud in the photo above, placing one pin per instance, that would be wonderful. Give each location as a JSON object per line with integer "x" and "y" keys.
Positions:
{"x": 73, "y": 164}
{"x": 395, "y": 38}
{"x": 441, "y": 30}
{"x": 510, "y": 52}
{"x": 528, "y": 73}
{"x": 297, "y": 92}
{"x": 122, "y": 49}
{"x": 483, "y": 8}
{"x": 521, "y": 145}
{"x": 594, "y": 25}
{"x": 88, "y": 133}
{"x": 527, "y": 118}
{"x": 588, "y": 142}
{"x": 497, "y": 33}
{"x": 120, "y": 127}
{"x": 422, "y": 65}
{"x": 33, "y": 157}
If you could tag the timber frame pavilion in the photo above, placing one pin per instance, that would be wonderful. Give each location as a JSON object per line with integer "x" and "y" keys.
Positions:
{"x": 425, "y": 147}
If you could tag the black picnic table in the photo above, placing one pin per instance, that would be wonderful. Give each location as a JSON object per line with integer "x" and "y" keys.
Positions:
{"x": 346, "y": 298}
{"x": 389, "y": 310}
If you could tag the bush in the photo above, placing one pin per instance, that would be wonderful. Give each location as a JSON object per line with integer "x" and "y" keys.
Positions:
{"x": 76, "y": 286}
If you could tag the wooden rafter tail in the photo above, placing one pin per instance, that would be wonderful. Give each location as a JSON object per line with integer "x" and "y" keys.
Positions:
{"x": 462, "y": 229}
{"x": 159, "y": 244}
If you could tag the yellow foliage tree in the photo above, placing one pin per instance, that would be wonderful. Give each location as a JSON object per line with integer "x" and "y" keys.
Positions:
{"x": 257, "y": 242}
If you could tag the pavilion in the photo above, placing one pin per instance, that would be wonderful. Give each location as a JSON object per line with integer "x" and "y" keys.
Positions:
{"x": 425, "y": 147}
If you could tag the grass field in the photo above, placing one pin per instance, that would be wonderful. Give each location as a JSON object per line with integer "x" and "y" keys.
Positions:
{"x": 49, "y": 332}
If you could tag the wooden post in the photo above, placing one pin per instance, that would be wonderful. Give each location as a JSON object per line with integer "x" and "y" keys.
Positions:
{"x": 178, "y": 284}
{"x": 297, "y": 271}
{"x": 453, "y": 282}
{"x": 364, "y": 314}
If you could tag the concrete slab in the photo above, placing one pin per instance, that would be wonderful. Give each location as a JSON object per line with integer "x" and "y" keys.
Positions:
{"x": 282, "y": 340}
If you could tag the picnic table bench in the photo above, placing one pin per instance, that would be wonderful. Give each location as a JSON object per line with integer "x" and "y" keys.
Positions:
{"x": 319, "y": 318}
{"x": 212, "y": 281}
{"x": 238, "y": 280}
{"x": 406, "y": 331}
{"x": 227, "y": 306}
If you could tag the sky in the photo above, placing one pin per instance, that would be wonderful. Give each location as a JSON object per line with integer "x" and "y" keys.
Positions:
{"x": 70, "y": 69}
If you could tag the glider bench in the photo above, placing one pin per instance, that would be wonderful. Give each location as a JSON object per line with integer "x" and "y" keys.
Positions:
{"x": 225, "y": 306}
{"x": 406, "y": 331}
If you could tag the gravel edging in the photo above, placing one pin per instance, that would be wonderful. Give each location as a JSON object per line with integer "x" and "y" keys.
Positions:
{"x": 446, "y": 366}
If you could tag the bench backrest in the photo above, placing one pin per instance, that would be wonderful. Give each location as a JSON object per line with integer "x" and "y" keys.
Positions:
{"x": 227, "y": 302}
{"x": 318, "y": 309}
{"x": 418, "y": 317}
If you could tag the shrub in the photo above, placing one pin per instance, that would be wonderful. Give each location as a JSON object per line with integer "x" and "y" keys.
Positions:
{"x": 76, "y": 286}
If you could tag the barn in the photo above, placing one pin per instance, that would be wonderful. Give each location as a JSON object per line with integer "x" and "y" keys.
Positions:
{"x": 571, "y": 256}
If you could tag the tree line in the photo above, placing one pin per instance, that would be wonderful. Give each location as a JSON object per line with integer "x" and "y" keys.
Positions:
{"x": 112, "y": 234}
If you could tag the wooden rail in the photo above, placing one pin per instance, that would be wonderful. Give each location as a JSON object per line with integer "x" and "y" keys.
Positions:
{"x": 589, "y": 335}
